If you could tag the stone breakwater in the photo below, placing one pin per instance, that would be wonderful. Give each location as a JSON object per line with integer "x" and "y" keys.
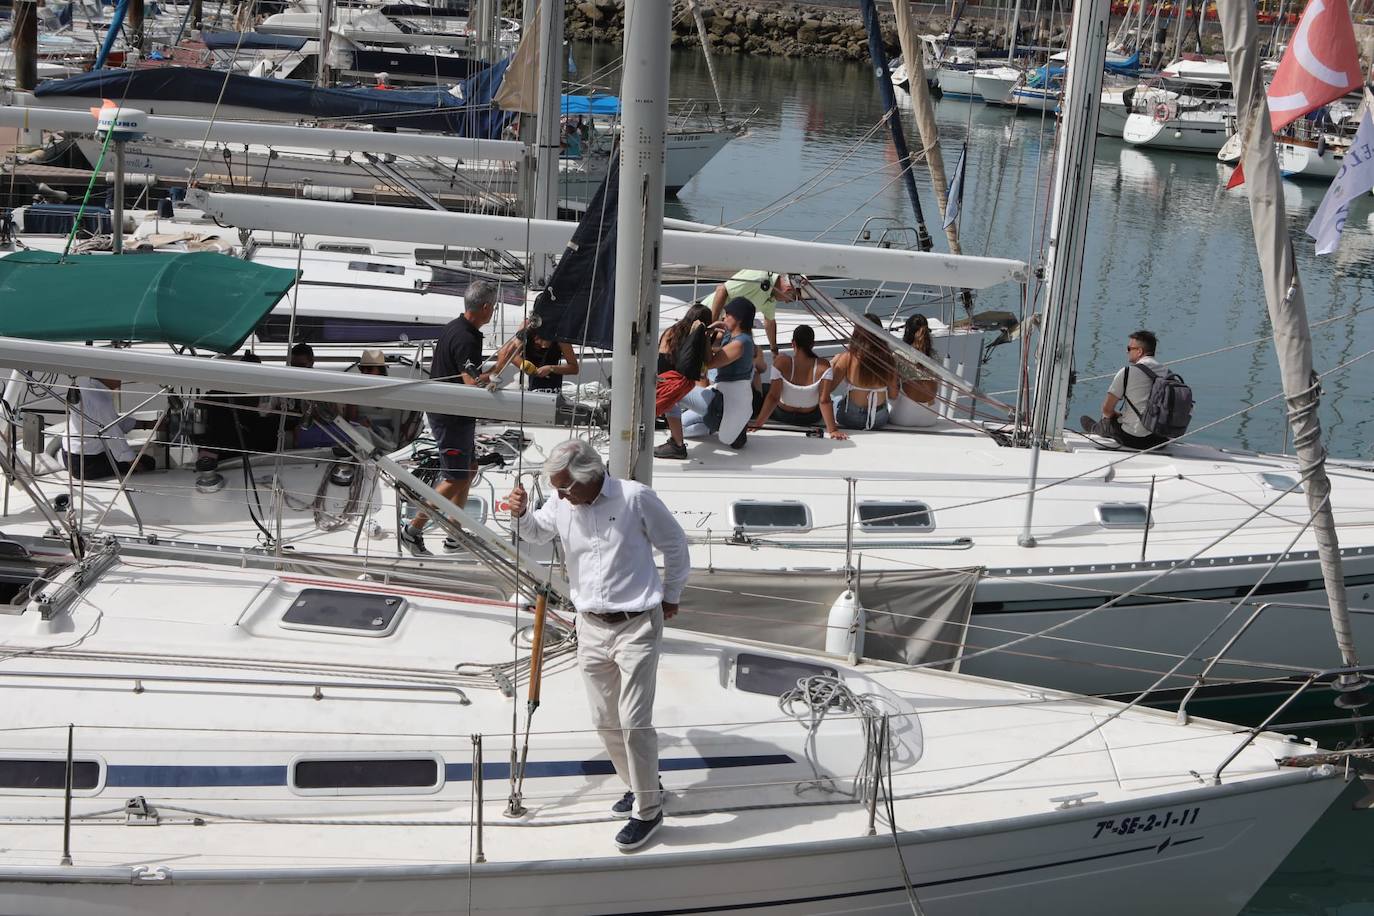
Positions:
{"x": 782, "y": 29}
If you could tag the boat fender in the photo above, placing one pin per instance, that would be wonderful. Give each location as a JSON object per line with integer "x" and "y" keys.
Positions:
{"x": 844, "y": 627}
{"x": 1161, "y": 112}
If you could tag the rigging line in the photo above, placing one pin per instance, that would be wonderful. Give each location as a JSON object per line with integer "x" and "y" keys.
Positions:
{"x": 1183, "y": 563}
{"x": 1121, "y": 710}
{"x": 214, "y": 112}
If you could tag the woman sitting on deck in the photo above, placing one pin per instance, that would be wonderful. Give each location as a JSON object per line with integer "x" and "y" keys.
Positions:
{"x": 731, "y": 398}
{"x": 869, "y": 371}
{"x": 913, "y": 405}
{"x": 794, "y": 392}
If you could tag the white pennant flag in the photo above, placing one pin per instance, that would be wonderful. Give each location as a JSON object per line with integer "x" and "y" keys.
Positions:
{"x": 1356, "y": 177}
{"x": 954, "y": 200}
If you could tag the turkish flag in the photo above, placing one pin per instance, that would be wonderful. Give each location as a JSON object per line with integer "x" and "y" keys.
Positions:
{"x": 1320, "y": 65}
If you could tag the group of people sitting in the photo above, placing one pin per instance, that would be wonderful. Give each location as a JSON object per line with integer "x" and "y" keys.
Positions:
{"x": 712, "y": 378}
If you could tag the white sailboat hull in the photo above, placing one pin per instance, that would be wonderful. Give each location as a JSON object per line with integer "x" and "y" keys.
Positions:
{"x": 995, "y": 84}
{"x": 1194, "y": 135}
{"x": 957, "y": 83}
{"x": 1057, "y": 863}
{"x": 1303, "y": 163}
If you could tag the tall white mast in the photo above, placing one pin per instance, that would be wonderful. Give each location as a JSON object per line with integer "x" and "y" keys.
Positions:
{"x": 547, "y": 124}
{"x": 639, "y": 240}
{"x": 1075, "y": 148}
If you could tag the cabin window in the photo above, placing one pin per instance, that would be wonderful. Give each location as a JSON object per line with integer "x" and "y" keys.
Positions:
{"x": 788, "y": 514}
{"x": 344, "y": 775}
{"x": 311, "y": 329}
{"x": 374, "y": 267}
{"x": 344, "y": 247}
{"x": 50, "y": 773}
{"x": 1281, "y": 483}
{"x": 1122, "y": 515}
{"x": 350, "y": 613}
{"x": 896, "y": 515}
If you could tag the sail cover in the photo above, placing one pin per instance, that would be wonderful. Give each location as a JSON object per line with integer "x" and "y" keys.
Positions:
{"x": 466, "y": 111}
{"x": 199, "y": 299}
{"x": 578, "y": 305}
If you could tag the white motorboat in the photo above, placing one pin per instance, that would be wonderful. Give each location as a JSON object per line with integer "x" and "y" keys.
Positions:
{"x": 245, "y": 740}
{"x": 995, "y": 84}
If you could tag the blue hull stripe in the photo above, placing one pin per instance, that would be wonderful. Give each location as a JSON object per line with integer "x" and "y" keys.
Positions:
{"x": 125, "y": 775}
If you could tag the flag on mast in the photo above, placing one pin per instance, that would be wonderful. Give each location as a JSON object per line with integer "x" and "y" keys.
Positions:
{"x": 1355, "y": 178}
{"x": 1321, "y": 64}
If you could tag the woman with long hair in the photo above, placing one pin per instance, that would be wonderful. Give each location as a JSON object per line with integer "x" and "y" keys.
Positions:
{"x": 794, "y": 391}
{"x": 864, "y": 379}
{"x": 729, "y": 403}
{"x": 914, "y": 404}
{"x": 676, "y": 378}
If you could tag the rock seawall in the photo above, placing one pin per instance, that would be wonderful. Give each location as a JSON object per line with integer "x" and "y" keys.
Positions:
{"x": 780, "y": 29}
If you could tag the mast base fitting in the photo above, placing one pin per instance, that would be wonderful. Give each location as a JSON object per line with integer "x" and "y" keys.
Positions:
{"x": 1353, "y": 692}
{"x": 514, "y": 808}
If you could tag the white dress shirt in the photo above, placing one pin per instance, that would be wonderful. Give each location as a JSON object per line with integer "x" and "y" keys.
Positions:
{"x": 609, "y": 544}
{"x": 96, "y": 424}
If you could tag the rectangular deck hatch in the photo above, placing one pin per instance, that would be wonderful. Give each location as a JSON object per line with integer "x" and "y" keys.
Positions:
{"x": 773, "y": 677}
{"x": 352, "y": 613}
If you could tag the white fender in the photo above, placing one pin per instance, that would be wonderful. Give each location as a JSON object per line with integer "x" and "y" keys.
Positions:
{"x": 844, "y": 633}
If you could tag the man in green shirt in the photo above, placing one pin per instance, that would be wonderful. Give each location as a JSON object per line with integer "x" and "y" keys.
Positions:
{"x": 764, "y": 289}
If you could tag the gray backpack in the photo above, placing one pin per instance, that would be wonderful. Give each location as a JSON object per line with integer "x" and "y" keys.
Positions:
{"x": 1169, "y": 409}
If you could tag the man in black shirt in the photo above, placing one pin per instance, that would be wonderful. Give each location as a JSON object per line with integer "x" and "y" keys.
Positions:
{"x": 457, "y": 359}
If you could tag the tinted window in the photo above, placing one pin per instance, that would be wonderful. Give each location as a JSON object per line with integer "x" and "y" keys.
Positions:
{"x": 771, "y": 515}
{"x": 1281, "y": 482}
{"x": 277, "y": 328}
{"x": 906, "y": 516}
{"x": 373, "y": 267}
{"x": 48, "y": 774}
{"x": 366, "y": 774}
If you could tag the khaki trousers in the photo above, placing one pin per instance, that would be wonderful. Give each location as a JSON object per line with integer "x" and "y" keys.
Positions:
{"x": 619, "y": 663}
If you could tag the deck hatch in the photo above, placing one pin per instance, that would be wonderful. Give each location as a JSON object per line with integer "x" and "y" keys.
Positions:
{"x": 1122, "y": 515}
{"x": 780, "y": 515}
{"x": 34, "y": 774}
{"x": 331, "y": 775}
{"x": 773, "y": 677}
{"x": 895, "y": 515}
{"x": 353, "y": 613}
{"x": 1281, "y": 483}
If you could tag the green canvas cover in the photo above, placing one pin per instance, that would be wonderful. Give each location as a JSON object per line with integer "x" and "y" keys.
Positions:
{"x": 197, "y": 299}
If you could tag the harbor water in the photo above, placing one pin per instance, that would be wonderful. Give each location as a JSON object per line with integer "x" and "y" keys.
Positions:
{"x": 1169, "y": 249}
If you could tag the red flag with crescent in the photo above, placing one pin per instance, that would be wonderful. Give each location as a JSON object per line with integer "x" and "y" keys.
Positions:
{"x": 1320, "y": 65}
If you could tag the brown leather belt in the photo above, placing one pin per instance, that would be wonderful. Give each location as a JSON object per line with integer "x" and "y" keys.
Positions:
{"x": 614, "y": 616}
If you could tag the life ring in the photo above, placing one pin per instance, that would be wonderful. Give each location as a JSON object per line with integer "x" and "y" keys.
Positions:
{"x": 1161, "y": 112}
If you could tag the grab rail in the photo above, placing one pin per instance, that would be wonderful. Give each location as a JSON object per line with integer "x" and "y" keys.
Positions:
{"x": 317, "y": 685}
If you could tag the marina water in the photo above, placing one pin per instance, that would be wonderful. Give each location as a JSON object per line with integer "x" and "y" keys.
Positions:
{"x": 1169, "y": 250}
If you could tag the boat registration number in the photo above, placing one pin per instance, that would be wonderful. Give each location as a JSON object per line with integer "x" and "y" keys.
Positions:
{"x": 1144, "y": 823}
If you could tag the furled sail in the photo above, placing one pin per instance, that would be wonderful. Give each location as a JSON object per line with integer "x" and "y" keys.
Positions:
{"x": 578, "y": 305}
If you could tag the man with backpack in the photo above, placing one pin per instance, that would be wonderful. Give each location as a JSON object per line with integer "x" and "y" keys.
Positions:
{"x": 1146, "y": 404}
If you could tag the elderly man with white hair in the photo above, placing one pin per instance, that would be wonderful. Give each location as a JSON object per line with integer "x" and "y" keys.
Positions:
{"x": 610, "y": 529}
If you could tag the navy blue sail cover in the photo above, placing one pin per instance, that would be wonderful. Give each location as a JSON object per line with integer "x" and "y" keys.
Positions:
{"x": 468, "y": 114}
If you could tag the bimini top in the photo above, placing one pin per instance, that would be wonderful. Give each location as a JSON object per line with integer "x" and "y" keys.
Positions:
{"x": 608, "y": 105}
{"x": 199, "y": 299}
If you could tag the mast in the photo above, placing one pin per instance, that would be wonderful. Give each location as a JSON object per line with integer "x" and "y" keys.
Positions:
{"x": 1287, "y": 308}
{"x": 322, "y": 77}
{"x": 1013, "y": 32}
{"x": 639, "y": 240}
{"x": 894, "y": 118}
{"x": 547, "y": 123}
{"x": 1073, "y": 164}
{"x": 705, "y": 37}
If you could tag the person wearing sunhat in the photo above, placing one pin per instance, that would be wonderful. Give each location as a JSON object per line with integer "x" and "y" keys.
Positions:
{"x": 764, "y": 290}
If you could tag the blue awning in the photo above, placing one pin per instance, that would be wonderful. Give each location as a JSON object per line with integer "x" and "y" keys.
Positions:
{"x": 607, "y": 105}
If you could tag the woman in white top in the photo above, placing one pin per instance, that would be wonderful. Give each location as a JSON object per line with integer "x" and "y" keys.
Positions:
{"x": 915, "y": 402}
{"x": 794, "y": 391}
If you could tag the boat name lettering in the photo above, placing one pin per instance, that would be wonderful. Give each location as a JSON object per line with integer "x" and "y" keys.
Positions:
{"x": 1144, "y": 823}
